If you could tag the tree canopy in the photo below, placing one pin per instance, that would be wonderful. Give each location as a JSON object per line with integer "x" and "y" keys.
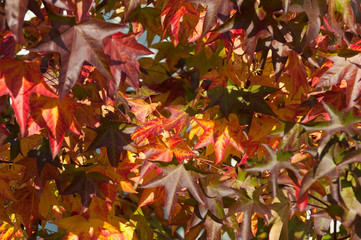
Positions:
{"x": 180, "y": 119}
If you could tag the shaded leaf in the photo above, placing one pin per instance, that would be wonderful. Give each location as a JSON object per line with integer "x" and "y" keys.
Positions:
{"x": 215, "y": 9}
{"x": 248, "y": 207}
{"x": 213, "y": 229}
{"x": 274, "y": 165}
{"x": 122, "y": 51}
{"x": 86, "y": 184}
{"x": 77, "y": 43}
{"x": 116, "y": 140}
{"x": 175, "y": 178}
{"x": 345, "y": 66}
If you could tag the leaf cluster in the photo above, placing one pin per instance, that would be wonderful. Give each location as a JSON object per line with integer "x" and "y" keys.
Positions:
{"x": 180, "y": 119}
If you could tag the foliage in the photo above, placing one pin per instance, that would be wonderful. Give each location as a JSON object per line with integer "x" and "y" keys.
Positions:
{"x": 245, "y": 121}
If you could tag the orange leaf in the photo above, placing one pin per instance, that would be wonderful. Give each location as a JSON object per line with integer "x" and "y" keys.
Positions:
{"x": 141, "y": 109}
{"x": 149, "y": 128}
{"x": 221, "y": 134}
{"x": 55, "y": 115}
{"x": 163, "y": 150}
{"x": 92, "y": 228}
{"x": 27, "y": 205}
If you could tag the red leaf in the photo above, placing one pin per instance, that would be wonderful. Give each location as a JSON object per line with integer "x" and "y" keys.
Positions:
{"x": 15, "y": 12}
{"x": 345, "y": 66}
{"x": 7, "y": 47}
{"x": 20, "y": 79}
{"x": 214, "y": 7}
{"x": 77, "y": 43}
{"x": 56, "y": 116}
{"x": 177, "y": 121}
{"x": 149, "y": 128}
{"x": 122, "y": 51}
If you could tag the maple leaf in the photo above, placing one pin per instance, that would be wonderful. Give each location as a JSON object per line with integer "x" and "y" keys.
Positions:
{"x": 56, "y": 116}
{"x": 175, "y": 12}
{"x": 130, "y": 5}
{"x": 149, "y": 128}
{"x": 178, "y": 120}
{"x": 8, "y": 231}
{"x": 26, "y": 196}
{"x": 213, "y": 228}
{"x": 221, "y": 96}
{"x": 345, "y": 66}
{"x": 280, "y": 210}
{"x": 77, "y": 43}
{"x": 81, "y": 7}
{"x": 122, "y": 51}
{"x": 340, "y": 122}
{"x": 43, "y": 155}
{"x": 6, "y": 177}
{"x": 215, "y": 9}
{"x": 64, "y": 4}
{"x": 93, "y": 228}
{"x": 7, "y": 46}
{"x": 256, "y": 25}
{"x": 248, "y": 207}
{"x": 163, "y": 150}
{"x": 20, "y": 79}
{"x": 15, "y": 13}
{"x": 248, "y": 101}
{"x": 221, "y": 135}
{"x": 274, "y": 165}
{"x": 141, "y": 109}
{"x": 314, "y": 10}
{"x": 149, "y": 18}
{"x": 296, "y": 70}
{"x": 116, "y": 140}
{"x": 175, "y": 178}
{"x": 214, "y": 194}
{"x": 88, "y": 185}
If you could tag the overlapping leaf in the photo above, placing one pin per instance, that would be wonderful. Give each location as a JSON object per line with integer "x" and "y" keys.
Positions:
{"x": 93, "y": 228}
{"x": 77, "y": 43}
{"x": 274, "y": 165}
{"x": 55, "y": 115}
{"x": 114, "y": 138}
{"x": 122, "y": 51}
{"x": 178, "y": 120}
{"x": 86, "y": 184}
{"x": 163, "y": 151}
{"x": 221, "y": 135}
{"x": 20, "y": 79}
{"x": 215, "y": 8}
{"x": 345, "y": 66}
{"x": 174, "y": 179}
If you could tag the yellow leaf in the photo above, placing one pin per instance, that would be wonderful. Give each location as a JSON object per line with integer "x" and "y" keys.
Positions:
{"x": 98, "y": 208}
{"x": 47, "y": 200}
